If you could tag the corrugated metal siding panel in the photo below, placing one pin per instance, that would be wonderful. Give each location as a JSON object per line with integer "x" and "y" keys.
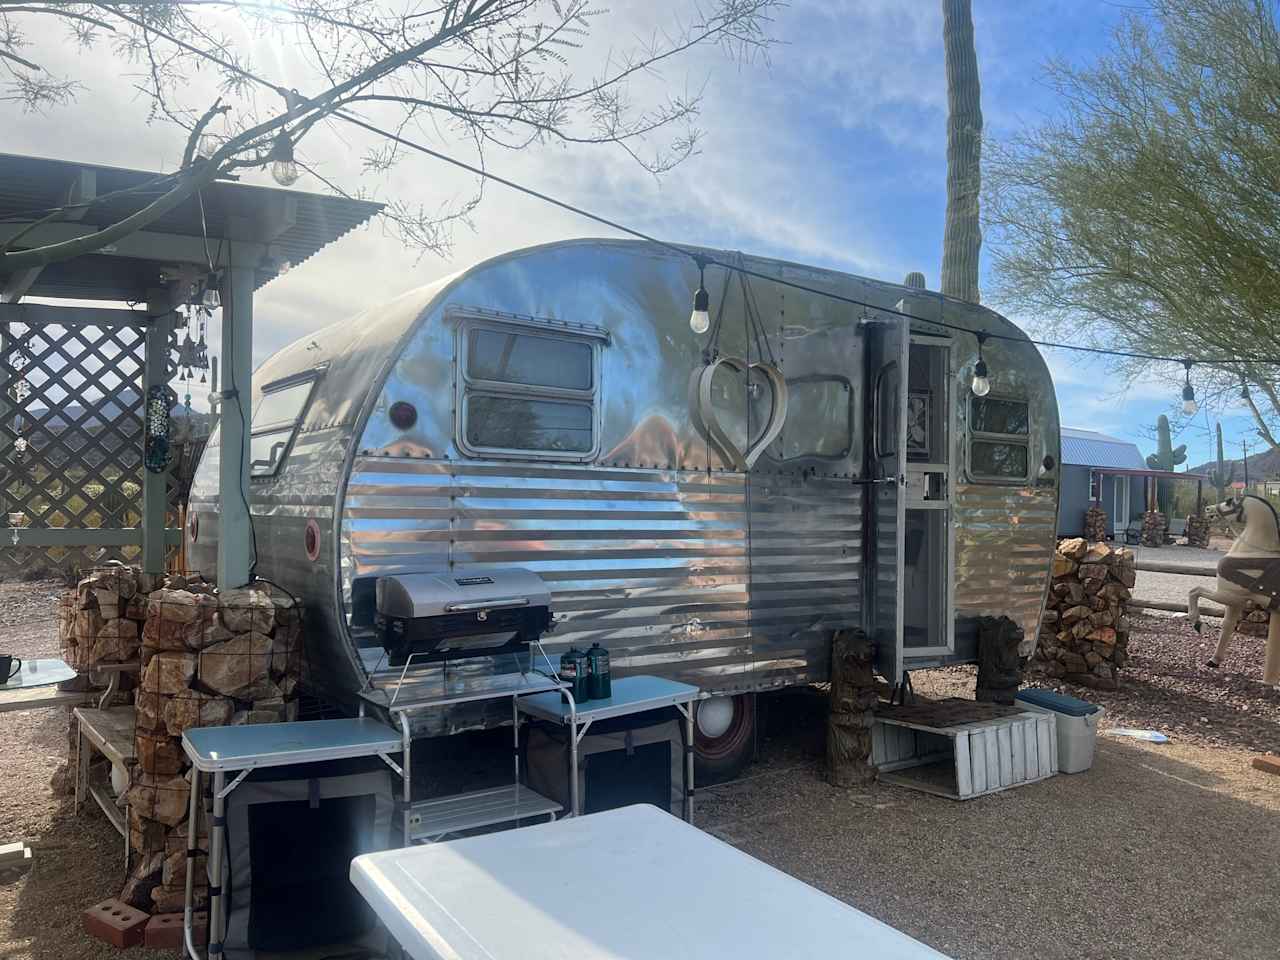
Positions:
{"x": 806, "y": 573}
{"x": 652, "y": 564}
{"x": 1004, "y": 546}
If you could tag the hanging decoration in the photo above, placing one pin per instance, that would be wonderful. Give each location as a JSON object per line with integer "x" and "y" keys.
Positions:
{"x": 156, "y": 429}
{"x": 705, "y": 417}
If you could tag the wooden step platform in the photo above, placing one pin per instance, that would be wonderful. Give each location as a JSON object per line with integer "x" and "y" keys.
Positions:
{"x": 962, "y": 749}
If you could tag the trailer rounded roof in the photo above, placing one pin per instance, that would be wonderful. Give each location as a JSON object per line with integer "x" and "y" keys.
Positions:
{"x": 357, "y": 352}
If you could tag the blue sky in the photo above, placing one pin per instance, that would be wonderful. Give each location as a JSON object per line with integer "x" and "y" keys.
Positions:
{"x": 831, "y": 153}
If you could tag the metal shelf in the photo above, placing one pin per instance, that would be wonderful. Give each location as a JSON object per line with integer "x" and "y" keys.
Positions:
{"x": 431, "y": 819}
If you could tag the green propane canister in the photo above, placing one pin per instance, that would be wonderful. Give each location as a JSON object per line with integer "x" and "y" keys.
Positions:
{"x": 599, "y": 682}
{"x": 574, "y": 670}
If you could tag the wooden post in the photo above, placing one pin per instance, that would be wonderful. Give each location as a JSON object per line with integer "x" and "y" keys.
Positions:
{"x": 235, "y": 536}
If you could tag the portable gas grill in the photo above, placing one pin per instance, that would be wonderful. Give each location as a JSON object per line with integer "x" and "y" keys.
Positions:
{"x": 457, "y": 614}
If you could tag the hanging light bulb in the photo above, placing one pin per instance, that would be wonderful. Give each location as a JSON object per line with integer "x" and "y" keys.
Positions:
{"x": 1189, "y": 405}
{"x": 284, "y": 170}
{"x": 207, "y": 145}
{"x": 211, "y": 299}
{"x": 981, "y": 384}
{"x": 700, "y": 319}
{"x": 1244, "y": 388}
{"x": 20, "y": 446}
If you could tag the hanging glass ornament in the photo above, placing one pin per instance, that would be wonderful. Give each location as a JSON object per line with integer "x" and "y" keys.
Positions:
{"x": 20, "y": 446}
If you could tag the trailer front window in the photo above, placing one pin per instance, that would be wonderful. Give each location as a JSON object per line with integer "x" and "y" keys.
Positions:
{"x": 1000, "y": 443}
{"x": 526, "y": 392}
{"x": 275, "y": 421}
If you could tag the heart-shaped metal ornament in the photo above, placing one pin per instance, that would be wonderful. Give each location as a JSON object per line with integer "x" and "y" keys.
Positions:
{"x": 709, "y": 421}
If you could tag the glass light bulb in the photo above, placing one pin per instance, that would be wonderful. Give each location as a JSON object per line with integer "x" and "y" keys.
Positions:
{"x": 1189, "y": 407}
{"x": 212, "y": 299}
{"x": 284, "y": 172}
{"x": 207, "y": 145}
{"x": 981, "y": 386}
{"x": 700, "y": 321}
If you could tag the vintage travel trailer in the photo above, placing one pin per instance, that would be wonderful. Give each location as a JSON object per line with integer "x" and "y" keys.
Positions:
{"x": 709, "y": 518}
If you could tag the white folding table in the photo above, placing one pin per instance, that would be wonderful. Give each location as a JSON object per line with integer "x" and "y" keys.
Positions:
{"x": 633, "y": 883}
{"x": 630, "y": 695}
{"x": 243, "y": 749}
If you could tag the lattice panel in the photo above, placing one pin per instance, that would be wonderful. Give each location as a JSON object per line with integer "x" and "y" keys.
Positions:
{"x": 70, "y": 436}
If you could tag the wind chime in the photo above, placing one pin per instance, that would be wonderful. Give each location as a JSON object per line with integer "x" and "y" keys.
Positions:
{"x": 193, "y": 355}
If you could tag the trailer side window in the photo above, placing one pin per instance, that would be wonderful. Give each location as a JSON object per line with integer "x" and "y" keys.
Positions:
{"x": 275, "y": 421}
{"x": 528, "y": 392}
{"x": 999, "y": 445}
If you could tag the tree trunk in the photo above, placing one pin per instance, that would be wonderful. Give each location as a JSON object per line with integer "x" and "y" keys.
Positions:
{"x": 962, "y": 237}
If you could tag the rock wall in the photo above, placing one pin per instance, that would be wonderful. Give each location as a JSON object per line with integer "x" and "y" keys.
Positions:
{"x": 1095, "y": 523}
{"x": 1084, "y": 636}
{"x": 206, "y": 658}
{"x": 1198, "y": 531}
{"x": 1154, "y": 526}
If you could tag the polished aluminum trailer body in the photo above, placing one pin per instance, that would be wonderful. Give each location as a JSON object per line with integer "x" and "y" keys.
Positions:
{"x": 652, "y": 542}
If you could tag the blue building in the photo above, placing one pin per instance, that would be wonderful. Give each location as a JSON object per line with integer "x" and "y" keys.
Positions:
{"x": 1095, "y": 469}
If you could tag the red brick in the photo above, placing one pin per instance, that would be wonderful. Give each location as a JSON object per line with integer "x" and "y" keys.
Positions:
{"x": 115, "y": 922}
{"x": 1267, "y": 764}
{"x": 164, "y": 931}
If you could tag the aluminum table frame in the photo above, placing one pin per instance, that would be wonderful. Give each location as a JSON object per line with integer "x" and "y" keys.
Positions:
{"x": 516, "y": 686}
{"x": 243, "y": 749}
{"x": 638, "y": 693}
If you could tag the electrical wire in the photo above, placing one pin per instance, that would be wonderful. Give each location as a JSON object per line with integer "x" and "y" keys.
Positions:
{"x": 703, "y": 259}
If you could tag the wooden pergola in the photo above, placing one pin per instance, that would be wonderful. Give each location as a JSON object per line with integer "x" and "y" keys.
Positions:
{"x": 230, "y": 236}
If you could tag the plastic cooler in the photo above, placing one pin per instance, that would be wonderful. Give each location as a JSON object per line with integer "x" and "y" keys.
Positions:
{"x": 1077, "y": 726}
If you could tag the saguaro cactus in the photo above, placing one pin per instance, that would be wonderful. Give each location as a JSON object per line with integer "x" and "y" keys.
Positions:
{"x": 1224, "y": 474}
{"x": 1166, "y": 457}
{"x": 962, "y": 236}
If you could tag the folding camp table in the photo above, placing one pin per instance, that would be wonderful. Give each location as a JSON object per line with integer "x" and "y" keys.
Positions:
{"x": 634, "y": 882}
{"x": 242, "y": 749}
{"x": 630, "y": 695}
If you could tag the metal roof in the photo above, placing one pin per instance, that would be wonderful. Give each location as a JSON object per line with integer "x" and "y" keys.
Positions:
{"x": 1088, "y": 448}
{"x": 295, "y": 224}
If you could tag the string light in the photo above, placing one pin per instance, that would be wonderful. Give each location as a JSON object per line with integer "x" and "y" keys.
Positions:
{"x": 1189, "y": 405}
{"x": 284, "y": 169}
{"x": 981, "y": 384}
{"x": 700, "y": 318}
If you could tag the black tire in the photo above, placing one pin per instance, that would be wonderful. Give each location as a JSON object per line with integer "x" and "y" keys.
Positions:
{"x": 724, "y": 757}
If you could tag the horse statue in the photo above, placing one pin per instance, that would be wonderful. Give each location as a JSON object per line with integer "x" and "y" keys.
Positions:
{"x": 1249, "y": 571}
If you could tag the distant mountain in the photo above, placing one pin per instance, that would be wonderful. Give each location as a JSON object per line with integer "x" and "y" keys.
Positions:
{"x": 127, "y": 401}
{"x": 1262, "y": 466}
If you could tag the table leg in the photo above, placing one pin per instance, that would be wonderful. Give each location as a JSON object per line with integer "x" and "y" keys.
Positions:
{"x": 575, "y": 802}
{"x": 688, "y": 762}
{"x": 406, "y": 746}
{"x": 217, "y": 829}
{"x": 82, "y": 764}
{"x": 188, "y": 936}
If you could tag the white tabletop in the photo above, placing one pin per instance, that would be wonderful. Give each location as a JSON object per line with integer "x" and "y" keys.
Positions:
{"x": 633, "y": 694}
{"x": 39, "y": 673}
{"x": 634, "y": 883}
{"x": 280, "y": 744}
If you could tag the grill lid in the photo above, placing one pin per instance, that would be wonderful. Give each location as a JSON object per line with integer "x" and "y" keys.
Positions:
{"x": 413, "y": 596}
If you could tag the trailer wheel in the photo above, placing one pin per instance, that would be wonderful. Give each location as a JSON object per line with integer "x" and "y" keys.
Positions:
{"x": 723, "y": 737}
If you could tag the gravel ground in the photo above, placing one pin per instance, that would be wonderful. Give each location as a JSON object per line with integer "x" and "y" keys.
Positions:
{"x": 1154, "y": 853}
{"x": 1128, "y": 860}
{"x": 1174, "y": 587}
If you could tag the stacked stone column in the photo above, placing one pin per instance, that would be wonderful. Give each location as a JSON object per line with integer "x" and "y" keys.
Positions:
{"x": 1084, "y": 635}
